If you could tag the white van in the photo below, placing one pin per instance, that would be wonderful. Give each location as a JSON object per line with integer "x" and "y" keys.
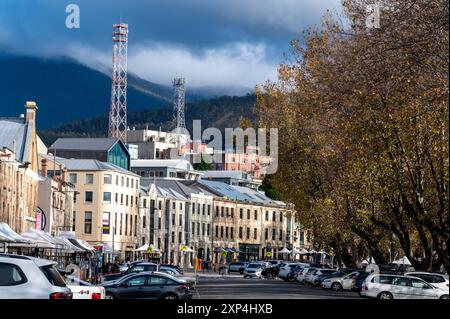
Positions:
{"x": 383, "y": 286}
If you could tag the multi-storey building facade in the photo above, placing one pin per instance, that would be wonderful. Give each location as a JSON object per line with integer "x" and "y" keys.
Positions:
{"x": 19, "y": 170}
{"x": 107, "y": 204}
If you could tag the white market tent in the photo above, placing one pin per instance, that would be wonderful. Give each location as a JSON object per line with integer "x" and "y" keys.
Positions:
{"x": 144, "y": 248}
{"x": 9, "y": 235}
{"x": 284, "y": 251}
{"x": 295, "y": 251}
{"x": 368, "y": 260}
{"x": 403, "y": 261}
{"x": 303, "y": 251}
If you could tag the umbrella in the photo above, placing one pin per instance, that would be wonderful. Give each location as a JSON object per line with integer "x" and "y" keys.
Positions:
{"x": 303, "y": 251}
{"x": 404, "y": 261}
{"x": 284, "y": 251}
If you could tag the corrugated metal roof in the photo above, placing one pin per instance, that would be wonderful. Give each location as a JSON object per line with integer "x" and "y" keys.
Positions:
{"x": 85, "y": 144}
{"x": 226, "y": 174}
{"x": 91, "y": 165}
{"x": 15, "y": 135}
{"x": 171, "y": 163}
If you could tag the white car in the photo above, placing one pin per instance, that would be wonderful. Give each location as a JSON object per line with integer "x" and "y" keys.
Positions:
{"x": 301, "y": 275}
{"x": 253, "y": 270}
{"x": 383, "y": 286}
{"x": 84, "y": 290}
{"x": 23, "y": 277}
{"x": 342, "y": 282}
{"x": 437, "y": 280}
{"x": 309, "y": 275}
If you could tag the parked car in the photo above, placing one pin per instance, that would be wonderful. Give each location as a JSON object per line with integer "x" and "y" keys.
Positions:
{"x": 135, "y": 267}
{"x": 237, "y": 267}
{"x": 317, "y": 275}
{"x": 23, "y": 277}
{"x": 172, "y": 266}
{"x": 286, "y": 269}
{"x": 253, "y": 270}
{"x": 148, "y": 285}
{"x": 338, "y": 283}
{"x": 437, "y": 280}
{"x": 172, "y": 271}
{"x": 307, "y": 275}
{"x": 384, "y": 286}
{"x": 84, "y": 290}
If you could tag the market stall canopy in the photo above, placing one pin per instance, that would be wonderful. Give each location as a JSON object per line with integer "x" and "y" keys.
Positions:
{"x": 368, "y": 260}
{"x": 229, "y": 250}
{"x": 148, "y": 249}
{"x": 219, "y": 250}
{"x": 69, "y": 245}
{"x": 295, "y": 251}
{"x": 107, "y": 249}
{"x": 303, "y": 251}
{"x": 37, "y": 239}
{"x": 86, "y": 245}
{"x": 403, "y": 261}
{"x": 236, "y": 250}
{"x": 9, "y": 235}
{"x": 284, "y": 251}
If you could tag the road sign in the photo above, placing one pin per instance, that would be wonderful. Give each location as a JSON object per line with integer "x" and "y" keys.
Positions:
{"x": 150, "y": 249}
{"x": 224, "y": 254}
{"x": 183, "y": 248}
{"x": 268, "y": 254}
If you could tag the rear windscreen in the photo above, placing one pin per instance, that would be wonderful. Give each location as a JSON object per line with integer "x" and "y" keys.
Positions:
{"x": 53, "y": 276}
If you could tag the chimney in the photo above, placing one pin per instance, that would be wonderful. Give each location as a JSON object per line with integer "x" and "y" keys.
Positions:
{"x": 31, "y": 111}
{"x": 44, "y": 167}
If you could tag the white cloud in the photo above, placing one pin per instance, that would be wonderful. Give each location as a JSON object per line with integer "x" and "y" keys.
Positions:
{"x": 239, "y": 64}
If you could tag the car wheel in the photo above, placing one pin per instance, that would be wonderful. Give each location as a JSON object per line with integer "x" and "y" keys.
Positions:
{"x": 444, "y": 297}
{"x": 109, "y": 296}
{"x": 245, "y": 276}
{"x": 336, "y": 286}
{"x": 170, "y": 296}
{"x": 385, "y": 295}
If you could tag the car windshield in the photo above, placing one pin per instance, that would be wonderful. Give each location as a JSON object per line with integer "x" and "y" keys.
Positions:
{"x": 53, "y": 276}
{"x": 254, "y": 266}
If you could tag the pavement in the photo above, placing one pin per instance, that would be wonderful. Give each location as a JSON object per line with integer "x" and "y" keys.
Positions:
{"x": 236, "y": 287}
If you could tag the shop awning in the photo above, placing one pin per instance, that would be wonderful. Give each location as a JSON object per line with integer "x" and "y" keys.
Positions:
{"x": 10, "y": 236}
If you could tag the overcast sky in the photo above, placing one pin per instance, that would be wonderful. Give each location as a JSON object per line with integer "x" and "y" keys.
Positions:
{"x": 212, "y": 42}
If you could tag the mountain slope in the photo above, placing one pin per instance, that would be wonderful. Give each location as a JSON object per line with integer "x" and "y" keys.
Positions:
{"x": 219, "y": 112}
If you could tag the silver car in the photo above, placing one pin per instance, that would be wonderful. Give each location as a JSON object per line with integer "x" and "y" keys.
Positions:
{"x": 23, "y": 277}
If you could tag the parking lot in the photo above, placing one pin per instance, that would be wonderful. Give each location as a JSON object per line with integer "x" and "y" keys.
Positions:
{"x": 236, "y": 287}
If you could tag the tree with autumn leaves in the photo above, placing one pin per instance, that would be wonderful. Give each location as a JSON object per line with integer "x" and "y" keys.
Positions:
{"x": 363, "y": 132}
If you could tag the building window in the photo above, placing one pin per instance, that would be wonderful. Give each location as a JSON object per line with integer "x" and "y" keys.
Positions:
{"x": 256, "y": 214}
{"x": 135, "y": 225}
{"x": 217, "y": 211}
{"x": 115, "y": 224}
{"x": 144, "y": 203}
{"x": 281, "y": 217}
{"x": 208, "y": 229}
{"x": 121, "y": 224}
{"x": 122, "y": 181}
{"x": 74, "y": 220}
{"x": 126, "y": 224}
{"x": 209, "y": 210}
{"x": 221, "y": 231}
{"x": 107, "y": 179}
{"x": 144, "y": 222}
{"x": 255, "y": 233}
{"x": 117, "y": 180}
{"x": 198, "y": 229}
{"x": 131, "y": 200}
{"x": 226, "y": 232}
{"x": 193, "y": 229}
{"x": 221, "y": 211}
{"x": 87, "y": 222}
{"x": 217, "y": 231}
{"x": 273, "y": 233}
{"x": 121, "y": 199}
{"x": 159, "y": 222}
{"x": 89, "y": 178}
{"x": 180, "y": 220}
{"x": 173, "y": 237}
{"x": 248, "y": 213}
{"x": 248, "y": 232}
{"x": 280, "y": 237}
{"x": 266, "y": 234}
{"x": 117, "y": 198}
{"x": 126, "y": 200}
{"x": 179, "y": 237}
{"x": 106, "y": 222}
{"x": 88, "y": 197}
{"x": 241, "y": 213}
{"x": 73, "y": 178}
{"x": 240, "y": 232}
{"x": 128, "y": 182}
{"x": 193, "y": 208}
{"x": 159, "y": 205}
{"x": 107, "y": 197}
{"x": 204, "y": 209}
{"x": 203, "y": 229}
{"x": 132, "y": 183}
{"x": 181, "y": 206}
{"x": 232, "y": 212}
{"x": 273, "y": 216}
{"x": 267, "y": 215}
{"x": 231, "y": 232}
{"x": 173, "y": 219}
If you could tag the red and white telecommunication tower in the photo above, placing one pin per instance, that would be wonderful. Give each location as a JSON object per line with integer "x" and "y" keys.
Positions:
{"x": 118, "y": 111}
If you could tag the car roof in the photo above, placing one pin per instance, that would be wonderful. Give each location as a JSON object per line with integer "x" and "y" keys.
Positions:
{"x": 37, "y": 261}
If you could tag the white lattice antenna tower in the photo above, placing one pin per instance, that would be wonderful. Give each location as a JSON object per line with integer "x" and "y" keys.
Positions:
{"x": 179, "y": 96}
{"x": 118, "y": 110}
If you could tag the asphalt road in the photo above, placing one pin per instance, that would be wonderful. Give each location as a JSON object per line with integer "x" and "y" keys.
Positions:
{"x": 239, "y": 288}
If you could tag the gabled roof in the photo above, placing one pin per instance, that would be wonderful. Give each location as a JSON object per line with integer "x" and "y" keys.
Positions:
{"x": 84, "y": 144}
{"x": 16, "y": 136}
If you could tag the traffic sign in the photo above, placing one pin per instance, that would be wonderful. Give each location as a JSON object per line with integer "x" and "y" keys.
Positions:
{"x": 183, "y": 248}
{"x": 268, "y": 254}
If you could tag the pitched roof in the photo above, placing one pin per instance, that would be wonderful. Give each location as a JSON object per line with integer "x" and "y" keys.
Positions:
{"x": 91, "y": 165}
{"x": 16, "y": 136}
{"x": 84, "y": 144}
